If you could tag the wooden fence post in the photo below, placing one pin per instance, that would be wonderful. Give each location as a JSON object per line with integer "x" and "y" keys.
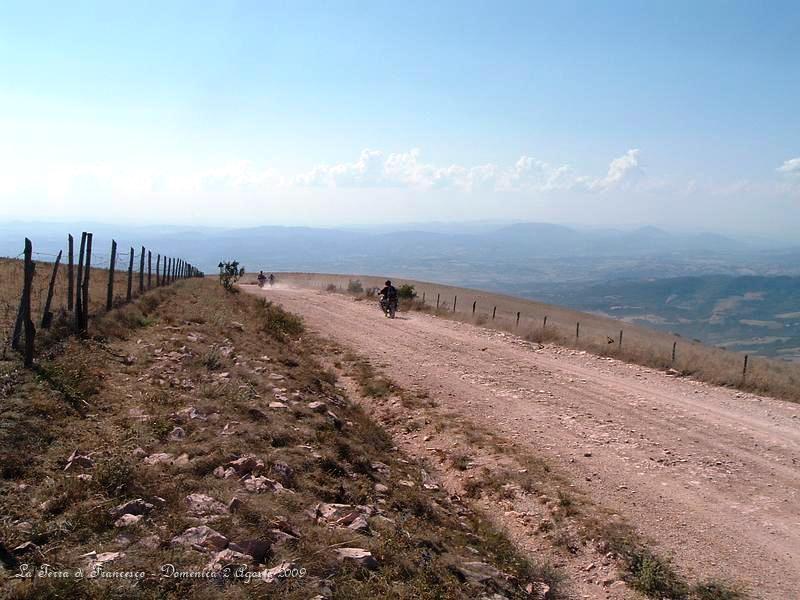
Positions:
{"x": 158, "y": 270}
{"x": 20, "y": 322}
{"x": 130, "y": 276}
{"x": 141, "y": 271}
{"x": 30, "y": 330}
{"x": 620, "y": 339}
{"x": 544, "y": 323}
{"x": 423, "y": 295}
{"x": 494, "y": 313}
{"x": 578, "y": 330}
{"x": 674, "y": 347}
{"x": 455, "y": 299}
{"x": 744, "y": 369}
{"x": 47, "y": 316}
{"x": 149, "y": 269}
{"x": 79, "y": 284}
{"x": 473, "y": 307}
{"x": 437, "y": 301}
{"x": 111, "y": 267}
{"x": 87, "y": 268}
{"x": 70, "y": 274}
{"x": 517, "y": 323}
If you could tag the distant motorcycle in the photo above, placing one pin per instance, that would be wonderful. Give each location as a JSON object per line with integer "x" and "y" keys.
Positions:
{"x": 261, "y": 280}
{"x": 388, "y": 306}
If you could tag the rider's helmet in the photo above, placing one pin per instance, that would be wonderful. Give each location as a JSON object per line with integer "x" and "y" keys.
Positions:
{"x": 388, "y": 282}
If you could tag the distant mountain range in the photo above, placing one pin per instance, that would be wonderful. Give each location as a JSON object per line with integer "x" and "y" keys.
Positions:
{"x": 722, "y": 290}
{"x": 496, "y": 257}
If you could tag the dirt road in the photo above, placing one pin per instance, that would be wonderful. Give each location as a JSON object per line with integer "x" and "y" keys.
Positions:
{"x": 710, "y": 474}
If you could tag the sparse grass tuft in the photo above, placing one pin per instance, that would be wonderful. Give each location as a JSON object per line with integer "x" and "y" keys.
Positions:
{"x": 279, "y": 323}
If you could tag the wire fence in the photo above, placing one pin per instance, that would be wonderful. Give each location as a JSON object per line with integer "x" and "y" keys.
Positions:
{"x": 76, "y": 283}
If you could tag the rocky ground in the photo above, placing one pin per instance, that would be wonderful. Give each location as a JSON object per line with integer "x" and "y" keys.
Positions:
{"x": 193, "y": 447}
{"x": 705, "y": 475}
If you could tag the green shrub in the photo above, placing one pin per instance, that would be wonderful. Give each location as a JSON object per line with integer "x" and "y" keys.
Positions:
{"x": 406, "y": 292}
{"x": 229, "y": 274}
{"x": 355, "y": 287}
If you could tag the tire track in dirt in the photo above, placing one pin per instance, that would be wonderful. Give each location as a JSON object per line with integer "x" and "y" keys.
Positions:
{"x": 710, "y": 474}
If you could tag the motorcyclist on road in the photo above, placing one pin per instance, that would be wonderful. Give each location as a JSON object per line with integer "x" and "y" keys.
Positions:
{"x": 261, "y": 278}
{"x": 271, "y": 279}
{"x": 389, "y": 292}
{"x": 388, "y": 297}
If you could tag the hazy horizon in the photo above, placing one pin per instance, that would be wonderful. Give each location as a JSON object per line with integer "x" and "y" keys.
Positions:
{"x": 680, "y": 116}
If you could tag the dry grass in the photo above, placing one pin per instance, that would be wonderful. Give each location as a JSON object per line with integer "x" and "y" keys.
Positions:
{"x": 11, "y": 277}
{"x": 125, "y": 388}
{"x": 640, "y": 345}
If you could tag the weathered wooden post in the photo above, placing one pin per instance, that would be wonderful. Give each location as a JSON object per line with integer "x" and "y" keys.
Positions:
{"x": 620, "y": 339}
{"x": 79, "y": 284}
{"x": 674, "y": 347}
{"x": 578, "y": 330}
{"x": 149, "y": 269}
{"x": 70, "y": 274}
{"x": 30, "y": 330}
{"x": 23, "y": 311}
{"x": 47, "y": 316}
{"x": 455, "y": 299}
{"x": 130, "y": 276}
{"x": 473, "y": 307}
{"x": 544, "y": 322}
{"x": 437, "y": 301}
{"x": 141, "y": 271}
{"x": 744, "y": 369}
{"x": 517, "y": 323}
{"x": 158, "y": 270}
{"x": 111, "y": 267}
{"x": 423, "y": 295}
{"x": 87, "y": 269}
{"x": 494, "y": 313}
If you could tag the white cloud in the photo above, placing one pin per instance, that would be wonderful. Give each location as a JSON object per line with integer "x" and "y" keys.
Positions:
{"x": 376, "y": 169}
{"x": 790, "y": 167}
{"x": 621, "y": 172}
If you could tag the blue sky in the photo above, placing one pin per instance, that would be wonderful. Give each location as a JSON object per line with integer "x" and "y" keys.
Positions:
{"x": 671, "y": 113}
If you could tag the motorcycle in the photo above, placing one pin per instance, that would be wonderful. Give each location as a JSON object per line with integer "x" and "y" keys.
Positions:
{"x": 388, "y": 306}
{"x": 261, "y": 280}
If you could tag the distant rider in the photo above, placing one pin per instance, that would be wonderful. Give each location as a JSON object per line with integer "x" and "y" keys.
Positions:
{"x": 389, "y": 291}
{"x": 388, "y": 294}
{"x": 271, "y": 279}
{"x": 261, "y": 278}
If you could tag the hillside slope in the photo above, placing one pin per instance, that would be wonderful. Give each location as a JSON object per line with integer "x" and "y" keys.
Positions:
{"x": 710, "y": 474}
{"x": 193, "y": 448}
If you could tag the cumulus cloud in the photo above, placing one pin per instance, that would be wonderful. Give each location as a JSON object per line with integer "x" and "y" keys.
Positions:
{"x": 374, "y": 168}
{"x": 621, "y": 172}
{"x": 790, "y": 167}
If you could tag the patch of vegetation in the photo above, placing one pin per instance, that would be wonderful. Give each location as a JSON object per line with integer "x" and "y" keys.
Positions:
{"x": 355, "y": 287}
{"x": 406, "y": 292}
{"x": 115, "y": 475}
{"x": 279, "y": 323}
{"x": 229, "y": 274}
{"x": 713, "y": 590}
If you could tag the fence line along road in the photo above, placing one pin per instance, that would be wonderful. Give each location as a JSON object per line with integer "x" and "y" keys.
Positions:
{"x": 76, "y": 296}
